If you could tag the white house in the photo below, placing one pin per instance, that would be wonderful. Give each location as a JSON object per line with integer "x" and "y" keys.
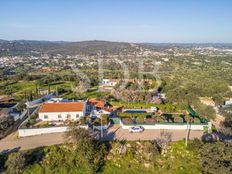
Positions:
{"x": 229, "y": 102}
{"x": 109, "y": 82}
{"x": 62, "y": 111}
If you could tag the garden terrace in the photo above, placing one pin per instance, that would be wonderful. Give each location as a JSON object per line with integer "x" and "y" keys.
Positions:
{"x": 151, "y": 118}
{"x": 146, "y": 105}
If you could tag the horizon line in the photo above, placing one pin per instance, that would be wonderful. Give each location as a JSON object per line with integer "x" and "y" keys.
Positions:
{"x": 68, "y": 41}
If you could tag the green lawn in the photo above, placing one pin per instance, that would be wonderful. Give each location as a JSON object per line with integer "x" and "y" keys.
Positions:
{"x": 145, "y": 105}
{"x": 179, "y": 160}
{"x": 91, "y": 93}
{"x": 19, "y": 88}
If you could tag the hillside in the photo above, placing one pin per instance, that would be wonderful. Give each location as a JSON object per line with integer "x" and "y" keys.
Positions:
{"x": 24, "y": 47}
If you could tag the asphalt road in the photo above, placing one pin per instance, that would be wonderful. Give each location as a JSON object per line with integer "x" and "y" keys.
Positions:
{"x": 12, "y": 143}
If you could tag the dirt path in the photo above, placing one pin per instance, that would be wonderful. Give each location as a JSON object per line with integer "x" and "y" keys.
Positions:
{"x": 12, "y": 142}
{"x": 219, "y": 118}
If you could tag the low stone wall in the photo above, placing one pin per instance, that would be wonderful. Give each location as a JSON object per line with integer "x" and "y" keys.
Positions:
{"x": 170, "y": 126}
{"x": 38, "y": 131}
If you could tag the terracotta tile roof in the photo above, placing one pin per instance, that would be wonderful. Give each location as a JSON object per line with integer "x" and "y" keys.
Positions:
{"x": 109, "y": 109}
{"x": 62, "y": 107}
{"x": 100, "y": 104}
{"x": 97, "y": 103}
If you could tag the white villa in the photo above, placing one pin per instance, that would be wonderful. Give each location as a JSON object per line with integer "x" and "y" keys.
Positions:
{"x": 229, "y": 102}
{"x": 109, "y": 82}
{"x": 62, "y": 111}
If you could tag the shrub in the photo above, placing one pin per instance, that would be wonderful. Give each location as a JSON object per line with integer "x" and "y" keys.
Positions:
{"x": 15, "y": 163}
{"x": 216, "y": 158}
{"x": 83, "y": 121}
{"x": 3, "y": 159}
{"x": 151, "y": 150}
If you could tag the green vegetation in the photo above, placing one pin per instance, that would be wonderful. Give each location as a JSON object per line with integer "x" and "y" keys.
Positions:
{"x": 89, "y": 156}
{"x": 30, "y": 89}
{"x": 226, "y": 128}
{"x": 146, "y": 105}
{"x": 105, "y": 120}
{"x": 133, "y": 115}
{"x": 184, "y": 80}
{"x": 6, "y": 123}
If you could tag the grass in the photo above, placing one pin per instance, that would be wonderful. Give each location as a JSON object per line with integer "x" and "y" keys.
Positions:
{"x": 145, "y": 105}
{"x": 91, "y": 93}
{"x": 132, "y": 105}
{"x": 126, "y": 166}
{"x": 179, "y": 160}
{"x": 94, "y": 93}
{"x": 19, "y": 88}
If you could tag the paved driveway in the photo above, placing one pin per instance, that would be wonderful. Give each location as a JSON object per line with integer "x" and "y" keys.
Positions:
{"x": 11, "y": 142}
{"x": 116, "y": 132}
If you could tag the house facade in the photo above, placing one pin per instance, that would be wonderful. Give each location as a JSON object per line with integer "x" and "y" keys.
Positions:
{"x": 62, "y": 111}
{"x": 109, "y": 82}
{"x": 229, "y": 102}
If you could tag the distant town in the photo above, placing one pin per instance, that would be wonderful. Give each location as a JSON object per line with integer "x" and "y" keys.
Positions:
{"x": 54, "y": 93}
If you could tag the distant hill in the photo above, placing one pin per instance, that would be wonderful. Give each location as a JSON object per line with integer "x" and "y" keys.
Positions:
{"x": 189, "y": 45}
{"x": 24, "y": 47}
{"x": 30, "y": 47}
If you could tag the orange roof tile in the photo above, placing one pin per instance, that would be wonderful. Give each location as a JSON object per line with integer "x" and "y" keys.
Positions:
{"x": 97, "y": 103}
{"x": 62, "y": 107}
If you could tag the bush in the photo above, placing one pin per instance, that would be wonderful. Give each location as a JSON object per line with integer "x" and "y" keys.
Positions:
{"x": 216, "y": 158}
{"x": 3, "y": 159}
{"x": 151, "y": 150}
{"x": 195, "y": 145}
{"x": 133, "y": 115}
{"x": 83, "y": 121}
{"x": 140, "y": 120}
{"x": 15, "y": 163}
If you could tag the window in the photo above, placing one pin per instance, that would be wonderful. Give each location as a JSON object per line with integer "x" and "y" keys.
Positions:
{"x": 68, "y": 116}
{"x": 77, "y": 115}
{"x": 45, "y": 117}
{"x": 59, "y": 116}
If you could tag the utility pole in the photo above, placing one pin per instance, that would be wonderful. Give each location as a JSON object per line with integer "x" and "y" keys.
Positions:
{"x": 187, "y": 133}
{"x": 28, "y": 113}
{"x": 101, "y": 128}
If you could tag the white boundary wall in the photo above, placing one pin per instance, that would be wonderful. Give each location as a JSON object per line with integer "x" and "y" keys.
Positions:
{"x": 104, "y": 127}
{"x": 171, "y": 126}
{"x": 39, "y": 131}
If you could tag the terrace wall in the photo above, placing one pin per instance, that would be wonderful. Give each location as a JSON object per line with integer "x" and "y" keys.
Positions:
{"x": 170, "y": 126}
{"x": 38, "y": 131}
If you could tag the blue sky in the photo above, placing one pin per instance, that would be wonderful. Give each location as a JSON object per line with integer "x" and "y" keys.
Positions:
{"x": 117, "y": 20}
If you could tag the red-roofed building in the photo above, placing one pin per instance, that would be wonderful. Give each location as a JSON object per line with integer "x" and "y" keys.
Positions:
{"x": 62, "y": 111}
{"x": 99, "y": 105}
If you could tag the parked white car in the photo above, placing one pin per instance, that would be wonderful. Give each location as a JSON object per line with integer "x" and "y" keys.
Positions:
{"x": 136, "y": 129}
